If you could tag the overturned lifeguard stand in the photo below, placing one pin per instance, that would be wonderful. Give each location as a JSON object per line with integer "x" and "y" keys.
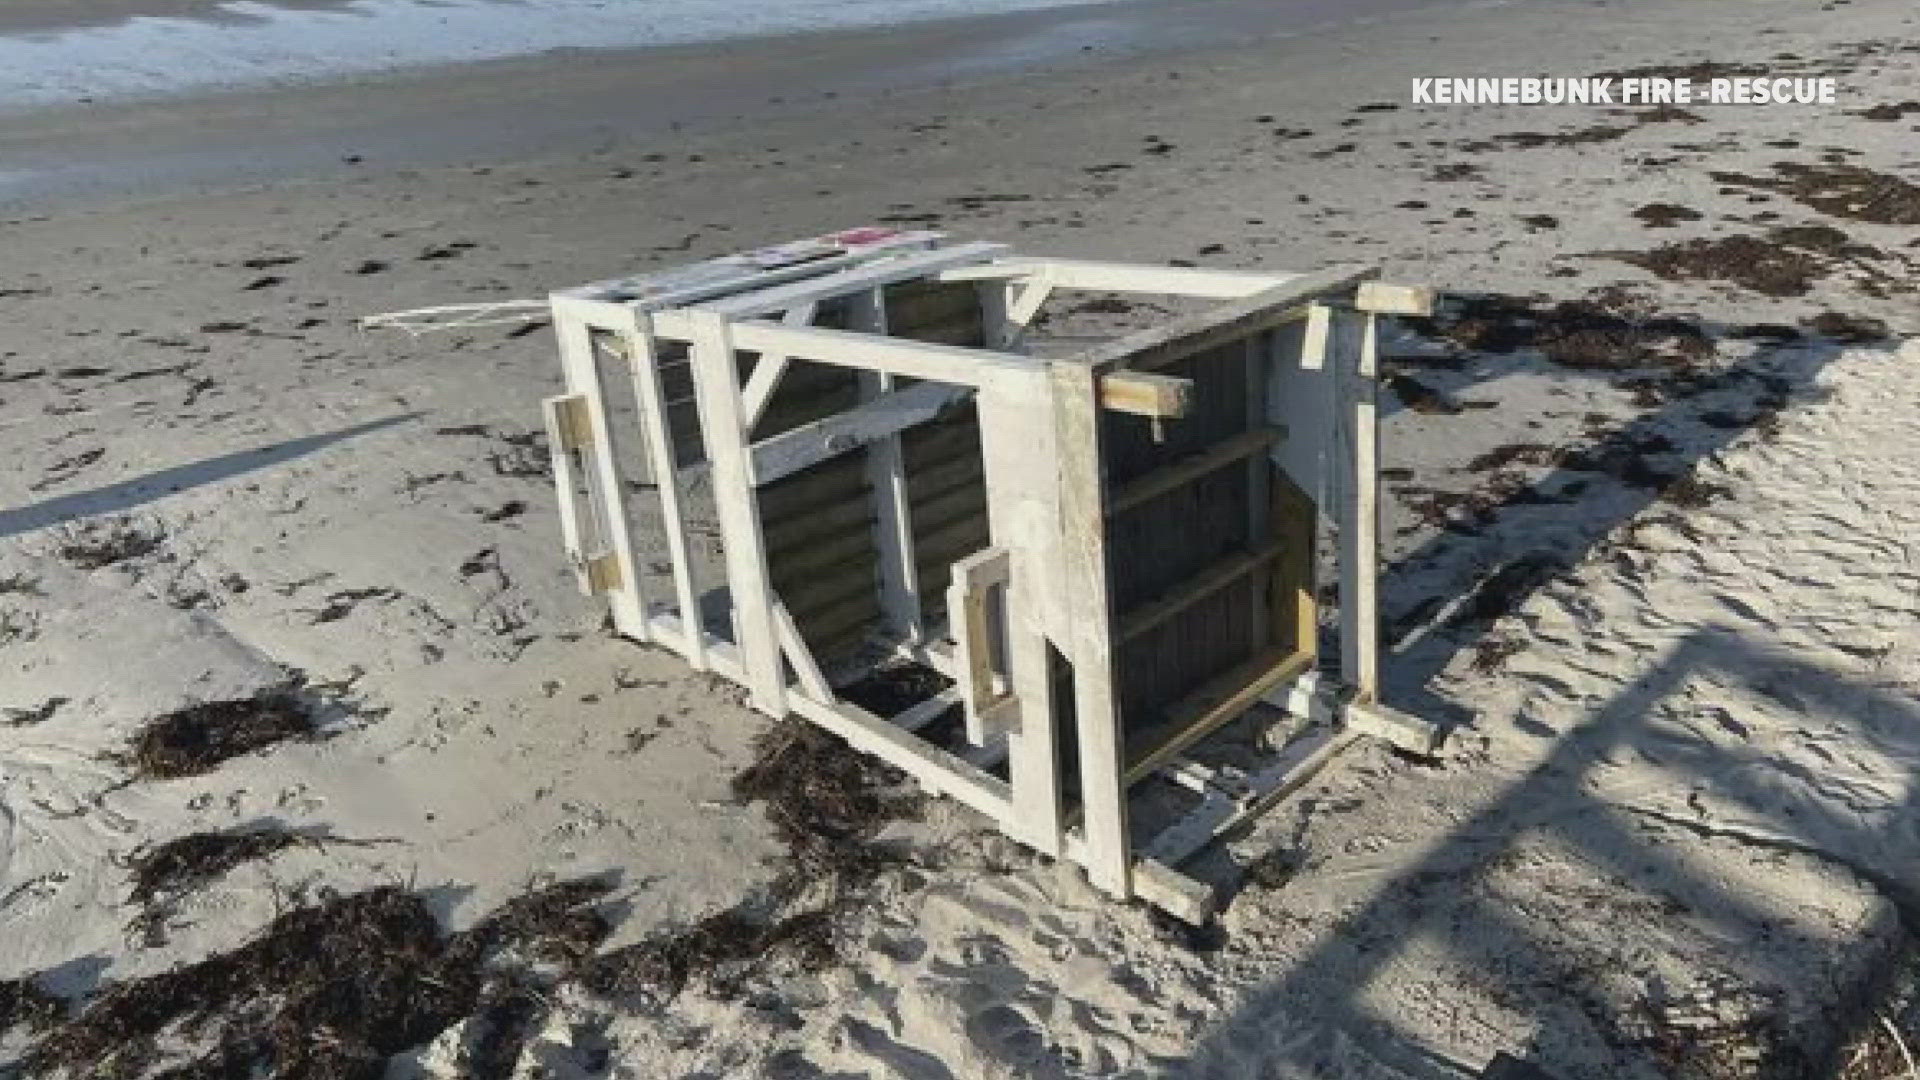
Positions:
{"x": 1109, "y": 554}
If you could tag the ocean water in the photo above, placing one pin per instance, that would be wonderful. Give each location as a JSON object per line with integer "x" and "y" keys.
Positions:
{"x": 243, "y": 43}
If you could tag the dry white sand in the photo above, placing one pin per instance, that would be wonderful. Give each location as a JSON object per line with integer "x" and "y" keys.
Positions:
{"x": 1676, "y": 830}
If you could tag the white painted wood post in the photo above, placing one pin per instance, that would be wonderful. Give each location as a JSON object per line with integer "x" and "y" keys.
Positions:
{"x": 1088, "y": 619}
{"x": 716, "y": 382}
{"x": 1357, "y": 465}
{"x": 583, "y": 377}
{"x": 1016, "y": 429}
{"x": 900, "y": 609}
{"x": 643, "y": 363}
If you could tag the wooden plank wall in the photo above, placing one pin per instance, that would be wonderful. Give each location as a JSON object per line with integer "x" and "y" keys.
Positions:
{"x": 819, "y": 523}
{"x": 1167, "y": 541}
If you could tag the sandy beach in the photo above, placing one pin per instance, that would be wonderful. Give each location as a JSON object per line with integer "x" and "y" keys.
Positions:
{"x": 275, "y": 580}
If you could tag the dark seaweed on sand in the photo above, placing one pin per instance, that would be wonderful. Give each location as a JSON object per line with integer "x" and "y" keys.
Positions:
{"x": 826, "y": 801}
{"x": 24, "y": 1004}
{"x": 99, "y": 542}
{"x": 327, "y": 992}
{"x": 828, "y": 804}
{"x": 195, "y": 739}
{"x": 1767, "y": 267}
{"x": 1853, "y": 192}
{"x": 186, "y": 863}
{"x": 1599, "y": 333}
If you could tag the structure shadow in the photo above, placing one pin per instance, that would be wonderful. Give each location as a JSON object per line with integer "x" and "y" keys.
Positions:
{"x": 1440, "y": 597}
{"x": 1435, "y": 900}
{"x": 128, "y": 494}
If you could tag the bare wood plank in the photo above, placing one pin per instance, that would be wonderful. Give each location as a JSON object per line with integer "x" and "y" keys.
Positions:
{"x": 1296, "y": 604}
{"x": 1383, "y": 299}
{"x": 562, "y": 441}
{"x": 1195, "y": 589}
{"x": 1217, "y": 702}
{"x": 1186, "y": 470}
{"x": 1145, "y": 394}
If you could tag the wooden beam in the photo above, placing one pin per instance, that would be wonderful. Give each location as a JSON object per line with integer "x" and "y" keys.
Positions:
{"x": 1216, "y": 702}
{"x": 644, "y": 368}
{"x": 611, "y": 571}
{"x": 876, "y": 420}
{"x": 1171, "y": 342}
{"x": 1126, "y": 277}
{"x": 1088, "y": 617}
{"x": 562, "y": 414}
{"x": 1220, "y": 812}
{"x": 716, "y": 383}
{"x": 1179, "y": 473}
{"x": 1357, "y": 458}
{"x": 1383, "y": 299}
{"x": 799, "y": 657}
{"x": 1195, "y": 589}
{"x": 1017, "y": 425}
{"x": 886, "y": 472}
{"x": 896, "y": 356}
{"x": 738, "y": 272}
{"x": 854, "y": 279}
{"x": 768, "y": 369}
{"x": 934, "y": 769}
{"x": 1145, "y": 394}
{"x": 926, "y": 712}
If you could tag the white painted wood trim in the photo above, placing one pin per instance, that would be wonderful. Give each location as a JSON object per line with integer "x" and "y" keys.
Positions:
{"x": 731, "y": 274}
{"x": 874, "y": 423}
{"x": 769, "y": 368}
{"x": 716, "y": 383}
{"x": 1356, "y": 459}
{"x": 1126, "y": 277}
{"x": 855, "y": 279}
{"x": 609, "y": 494}
{"x": 643, "y": 366}
{"x": 799, "y": 657}
{"x": 1088, "y": 616}
{"x": 935, "y": 769}
{"x": 886, "y": 469}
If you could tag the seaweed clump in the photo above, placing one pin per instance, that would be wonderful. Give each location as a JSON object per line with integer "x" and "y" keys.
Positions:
{"x": 325, "y": 992}
{"x": 196, "y": 739}
{"x": 1602, "y": 332}
{"x": 828, "y": 804}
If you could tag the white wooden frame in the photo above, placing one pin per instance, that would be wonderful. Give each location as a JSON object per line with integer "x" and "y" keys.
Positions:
{"x": 1047, "y": 563}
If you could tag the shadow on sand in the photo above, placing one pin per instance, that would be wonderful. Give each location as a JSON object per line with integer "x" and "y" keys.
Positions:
{"x": 128, "y": 494}
{"x": 1531, "y": 536}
